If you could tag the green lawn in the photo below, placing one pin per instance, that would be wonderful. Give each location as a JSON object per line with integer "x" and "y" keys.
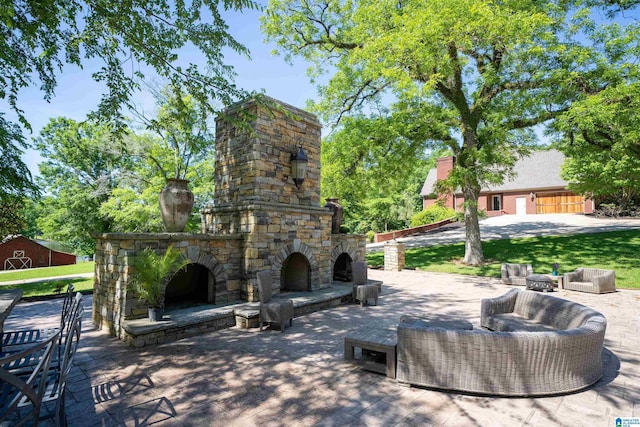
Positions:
{"x": 35, "y": 273}
{"x": 611, "y": 250}
{"x": 52, "y": 287}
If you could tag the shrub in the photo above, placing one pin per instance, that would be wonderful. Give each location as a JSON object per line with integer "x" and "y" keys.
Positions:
{"x": 432, "y": 214}
{"x": 371, "y": 235}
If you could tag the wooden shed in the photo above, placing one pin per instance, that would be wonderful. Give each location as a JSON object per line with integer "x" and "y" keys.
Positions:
{"x": 19, "y": 252}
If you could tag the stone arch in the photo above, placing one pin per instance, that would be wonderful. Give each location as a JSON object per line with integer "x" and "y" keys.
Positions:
{"x": 342, "y": 255}
{"x": 343, "y": 247}
{"x": 217, "y": 282}
{"x": 216, "y": 268}
{"x": 296, "y": 247}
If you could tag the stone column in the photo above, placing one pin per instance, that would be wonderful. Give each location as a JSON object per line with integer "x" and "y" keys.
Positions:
{"x": 393, "y": 256}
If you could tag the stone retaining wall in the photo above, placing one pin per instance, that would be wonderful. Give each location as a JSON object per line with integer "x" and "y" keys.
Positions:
{"x": 113, "y": 302}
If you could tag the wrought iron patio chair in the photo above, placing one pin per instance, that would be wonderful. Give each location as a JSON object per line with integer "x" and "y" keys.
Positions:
{"x": 25, "y": 364}
{"x": 29, "y": 336}
{"x": 21, "y": 394}
{"x": 280, "y": 312}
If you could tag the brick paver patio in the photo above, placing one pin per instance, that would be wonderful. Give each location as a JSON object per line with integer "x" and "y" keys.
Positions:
{"x": 246, "y": 377}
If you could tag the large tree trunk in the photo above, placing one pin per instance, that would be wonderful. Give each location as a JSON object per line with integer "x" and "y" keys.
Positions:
{"x": 473, "y": 244}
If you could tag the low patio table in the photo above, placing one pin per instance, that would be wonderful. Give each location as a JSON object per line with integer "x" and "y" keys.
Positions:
{"x": 8, "y": 299}
{"x": 376, "y": 339}
{"x": 539, "y": 282}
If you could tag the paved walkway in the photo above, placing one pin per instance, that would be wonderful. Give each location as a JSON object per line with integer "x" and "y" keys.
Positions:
{"x": 246, "y": 377}
{"x": 511, "y": 226}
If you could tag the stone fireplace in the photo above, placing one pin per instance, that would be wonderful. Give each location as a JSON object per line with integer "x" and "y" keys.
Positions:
{"x": 259, "y": 220}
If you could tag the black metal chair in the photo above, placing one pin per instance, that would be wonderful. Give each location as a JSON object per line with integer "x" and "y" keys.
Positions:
{"x": 22, "y": 394}
{"x": 30, "y": 336}
{"x": 54, "y": 378}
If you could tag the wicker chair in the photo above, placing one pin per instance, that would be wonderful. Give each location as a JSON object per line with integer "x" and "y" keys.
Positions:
{"x": 362, "y": 290}
{"x": 564, "y": 358}
{"x": 280, "y": 312}
{"x": 591, "y": 280}
{"x": 516, "y": 274}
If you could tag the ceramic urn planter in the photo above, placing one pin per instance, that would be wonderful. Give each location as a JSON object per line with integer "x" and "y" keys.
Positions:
{"x": 176, "y": 202}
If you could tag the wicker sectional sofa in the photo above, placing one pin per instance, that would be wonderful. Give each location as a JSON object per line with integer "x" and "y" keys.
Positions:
{"x": 515, "y": 274}
{"x": 591, "y": 280}
{"x": 539, "y": 345}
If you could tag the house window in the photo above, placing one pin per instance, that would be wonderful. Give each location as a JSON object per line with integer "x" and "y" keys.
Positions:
{"x": 496, "y": 203}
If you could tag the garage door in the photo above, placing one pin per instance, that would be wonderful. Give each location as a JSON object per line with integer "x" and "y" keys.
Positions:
{"x": 559, "y": 203}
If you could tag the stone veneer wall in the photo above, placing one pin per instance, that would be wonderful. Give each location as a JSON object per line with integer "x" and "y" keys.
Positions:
{"x": 113, "y": 302}
{"x": 255, "y": 194}
{"x": 353, "y": 244}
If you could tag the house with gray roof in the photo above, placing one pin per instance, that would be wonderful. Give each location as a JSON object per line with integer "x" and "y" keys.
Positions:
{"x": 536, "y": 188}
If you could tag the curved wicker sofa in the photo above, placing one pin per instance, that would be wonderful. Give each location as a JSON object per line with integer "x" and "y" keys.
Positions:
{"x": 541, "y": 345}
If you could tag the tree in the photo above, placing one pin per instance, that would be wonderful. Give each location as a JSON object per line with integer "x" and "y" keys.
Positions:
{"x": 15, "y": 179}
{"x": 80, "y": 173}
{"x": 477, "y": 75}
{"x": 603, "y": 145}
{"x": 128, "y": 38}
{"x": 364, "y": 165}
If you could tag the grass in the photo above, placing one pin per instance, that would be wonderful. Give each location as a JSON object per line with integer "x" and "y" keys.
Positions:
{"x": 51, "y": 287}
{"x": 610, "y": 250}
{"x": 37, "y": 273}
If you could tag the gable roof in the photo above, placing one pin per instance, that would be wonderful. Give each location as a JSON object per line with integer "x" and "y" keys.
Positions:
{"x": 539, "y": 170}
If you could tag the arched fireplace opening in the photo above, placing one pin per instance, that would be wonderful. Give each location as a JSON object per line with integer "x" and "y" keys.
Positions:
{"x": 296, "y": 273}
{"x": 342, "y": 268}
{"x": 192, "y": 286}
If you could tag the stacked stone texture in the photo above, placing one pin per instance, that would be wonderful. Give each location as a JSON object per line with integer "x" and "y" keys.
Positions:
{"x": 259, "y": 218}
{"x": 393, "y": 256}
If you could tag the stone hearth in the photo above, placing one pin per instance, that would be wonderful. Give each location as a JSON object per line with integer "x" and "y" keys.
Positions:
{"x": 259, "y": 220}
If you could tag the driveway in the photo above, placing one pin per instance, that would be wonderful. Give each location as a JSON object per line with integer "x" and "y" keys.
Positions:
{"x": 510, "y": 226}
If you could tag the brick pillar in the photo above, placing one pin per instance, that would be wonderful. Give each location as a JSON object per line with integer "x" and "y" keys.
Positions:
{"x": 393, "y": 256}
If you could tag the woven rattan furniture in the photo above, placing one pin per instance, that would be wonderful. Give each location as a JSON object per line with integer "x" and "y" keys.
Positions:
{"x": 280, "y": 312}
{"x": 591, "y": 280}
{"x": 364, "y": 293}
{"x": 539, "y": 282}
{"x": 515, "y": 274}
{"x": 541, "y": 345}
{"x": 373, "y": 339}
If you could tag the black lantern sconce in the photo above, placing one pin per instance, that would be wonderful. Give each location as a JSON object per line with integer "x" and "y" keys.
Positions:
{"x": 299, "y": 163}
{"x": 532, "y": 195}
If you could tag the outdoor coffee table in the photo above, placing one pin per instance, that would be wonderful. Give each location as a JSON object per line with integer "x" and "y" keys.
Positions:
{"x": 377, "y": 340}
{"x": 539, "y": 282}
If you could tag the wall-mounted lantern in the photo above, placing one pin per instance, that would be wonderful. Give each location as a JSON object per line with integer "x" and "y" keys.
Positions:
{"x": 532, "y": 195}
{"x": 299, "y": 163}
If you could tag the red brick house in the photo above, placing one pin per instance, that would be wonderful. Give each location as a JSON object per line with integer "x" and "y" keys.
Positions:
{"x": 535, "y": 189}
{"x": 19, "y": 252}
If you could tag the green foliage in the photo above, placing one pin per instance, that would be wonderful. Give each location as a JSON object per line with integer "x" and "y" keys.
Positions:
{"x": 467, "y": 75}
{"x": 81, "y": 170}
{"x": 152, "y": 271}
{"x": 183, "y": 128}
{"x": 433, "y": 213}
{"x": 39, "y": 39}
{"x": 610, "y": 250}
{"x": 365, "y": 166}
{"x": 15, "y": 178}
{"x": 603, "y": 145}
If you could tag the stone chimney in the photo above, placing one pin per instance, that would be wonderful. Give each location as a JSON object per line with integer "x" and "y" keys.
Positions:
{"x": 444, "y": 166}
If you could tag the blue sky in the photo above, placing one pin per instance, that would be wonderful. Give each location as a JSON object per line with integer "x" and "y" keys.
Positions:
{"x": 77, "y": 94}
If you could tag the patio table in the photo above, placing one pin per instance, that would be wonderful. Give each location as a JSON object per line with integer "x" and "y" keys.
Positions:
{"x": 8, "y": 299}
{"x": 373, "y": 339}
